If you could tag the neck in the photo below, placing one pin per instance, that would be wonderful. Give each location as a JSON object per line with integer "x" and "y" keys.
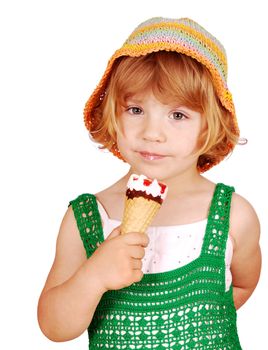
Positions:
{"x": 183, "y": 183}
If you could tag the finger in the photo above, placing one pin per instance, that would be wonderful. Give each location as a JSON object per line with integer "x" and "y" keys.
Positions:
{"x": 136, "y": 264}
{"x": 137, "y": 275}
{"x": 137, "y": 252}
{"x": 114, "y": 233}
{"x": 137, "y": 238}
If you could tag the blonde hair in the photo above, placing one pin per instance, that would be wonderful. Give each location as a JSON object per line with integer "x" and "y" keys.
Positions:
{"x": 171, "y": 76}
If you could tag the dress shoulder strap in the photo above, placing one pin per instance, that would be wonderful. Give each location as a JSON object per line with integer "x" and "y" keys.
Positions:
{"x": 218, "y": 222}
{"x": 88, "y": 220}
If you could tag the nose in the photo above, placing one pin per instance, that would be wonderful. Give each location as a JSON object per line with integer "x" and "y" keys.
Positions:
{"x": 153, "y": 130}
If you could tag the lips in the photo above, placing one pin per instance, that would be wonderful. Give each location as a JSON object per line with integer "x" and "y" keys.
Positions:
{"x": 151, "y": 156}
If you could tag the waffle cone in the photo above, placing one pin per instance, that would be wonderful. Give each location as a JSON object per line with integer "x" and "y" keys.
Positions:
{"x": 138, "y": 214}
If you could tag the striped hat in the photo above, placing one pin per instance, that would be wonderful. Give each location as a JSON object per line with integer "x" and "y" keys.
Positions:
{"x": 180, "y": 35}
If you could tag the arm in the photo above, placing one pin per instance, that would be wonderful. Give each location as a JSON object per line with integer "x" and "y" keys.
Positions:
{"x": 75, "y": 285}
{"x": 246, "y": 262}
{"x": 68, "y": 301}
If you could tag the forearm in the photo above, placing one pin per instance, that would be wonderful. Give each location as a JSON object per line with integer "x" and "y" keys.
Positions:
{"x": 241, "y": 295}
{"x": 65, "y": 311}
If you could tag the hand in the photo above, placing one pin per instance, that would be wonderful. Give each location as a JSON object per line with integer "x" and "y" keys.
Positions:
{"x": 117, "y": 261}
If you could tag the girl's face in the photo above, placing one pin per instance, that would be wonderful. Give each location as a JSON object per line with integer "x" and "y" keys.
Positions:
{"x": 158, "y": 140}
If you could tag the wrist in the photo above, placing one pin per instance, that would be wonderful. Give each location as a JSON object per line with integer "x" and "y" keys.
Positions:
{"x": 93, "y": 278}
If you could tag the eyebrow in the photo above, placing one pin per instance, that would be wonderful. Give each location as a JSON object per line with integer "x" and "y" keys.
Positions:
{"x": 134, "y": 100}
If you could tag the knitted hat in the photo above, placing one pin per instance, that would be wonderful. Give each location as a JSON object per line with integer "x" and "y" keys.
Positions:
{"x": 180, "y": 35}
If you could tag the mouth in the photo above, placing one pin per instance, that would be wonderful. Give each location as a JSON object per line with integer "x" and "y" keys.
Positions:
{"x": 151, "y": 156}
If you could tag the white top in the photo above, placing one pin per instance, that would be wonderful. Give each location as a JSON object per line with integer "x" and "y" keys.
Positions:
{"x": 171, "y": 247}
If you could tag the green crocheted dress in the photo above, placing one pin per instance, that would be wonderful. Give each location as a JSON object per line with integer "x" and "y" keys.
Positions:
{"x": 185, "y": 308}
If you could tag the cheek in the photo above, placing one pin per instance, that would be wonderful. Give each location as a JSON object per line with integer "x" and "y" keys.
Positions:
{"x": 120, "y": 140}
{"x": 186, "y": 143}
{"x": 124, "y": 147}
{"x": 127, "y": 131}
{"x": 122, "y": 127}
{"x": 123, "y": 140}
{"x": 120, "y": 136}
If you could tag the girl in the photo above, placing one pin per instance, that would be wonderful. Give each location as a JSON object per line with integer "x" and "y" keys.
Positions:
{"x": 163, "y": 107}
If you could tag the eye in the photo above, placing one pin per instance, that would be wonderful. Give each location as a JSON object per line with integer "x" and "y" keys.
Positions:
{"x": 178, "y": 116}
{"x": 134, "y": 110}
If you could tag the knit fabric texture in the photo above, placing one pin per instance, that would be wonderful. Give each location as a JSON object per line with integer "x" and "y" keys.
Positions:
{"x": 164, "y": 34}
{"x": 182, "y": 309}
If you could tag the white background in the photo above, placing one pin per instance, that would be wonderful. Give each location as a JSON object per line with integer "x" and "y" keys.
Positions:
{"x": 52, "y": 55}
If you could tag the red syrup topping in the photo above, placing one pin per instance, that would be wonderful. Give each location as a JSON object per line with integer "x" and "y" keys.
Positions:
{"x": 147, "y": 182}
{"x": 163, "y": 187}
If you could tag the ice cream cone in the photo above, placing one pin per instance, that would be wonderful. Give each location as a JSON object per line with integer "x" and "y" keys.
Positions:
{"x": 139, "y": 213}
{"x": 143, "y": 200}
